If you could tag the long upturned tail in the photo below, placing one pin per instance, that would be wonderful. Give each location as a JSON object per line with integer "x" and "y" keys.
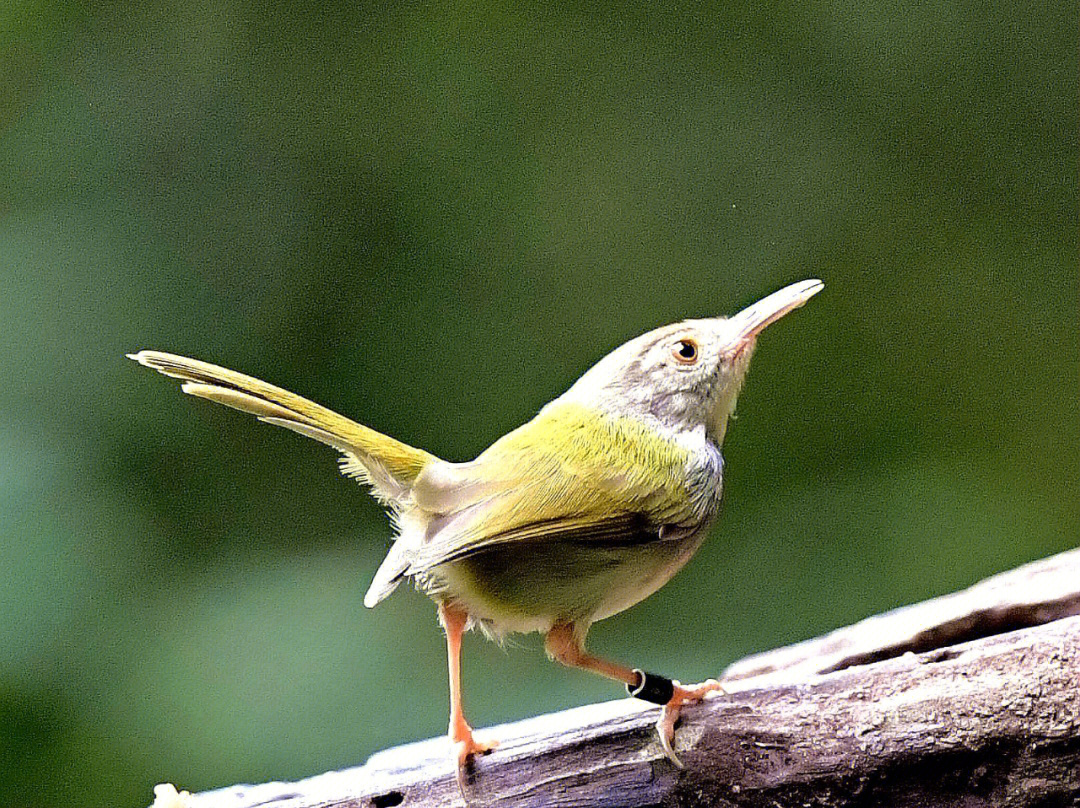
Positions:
{"x": 387, "y": 465}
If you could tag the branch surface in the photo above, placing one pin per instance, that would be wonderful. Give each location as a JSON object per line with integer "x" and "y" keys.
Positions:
{"x": 972, "y": 699}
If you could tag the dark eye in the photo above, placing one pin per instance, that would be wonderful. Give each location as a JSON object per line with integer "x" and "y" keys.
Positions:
{"x": 685, "y": 351}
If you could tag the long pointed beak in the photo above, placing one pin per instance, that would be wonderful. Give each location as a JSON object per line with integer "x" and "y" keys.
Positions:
{"x": 749, "y": 322}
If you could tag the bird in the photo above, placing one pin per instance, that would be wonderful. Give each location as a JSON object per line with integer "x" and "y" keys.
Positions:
{"x": 573, "y": 517}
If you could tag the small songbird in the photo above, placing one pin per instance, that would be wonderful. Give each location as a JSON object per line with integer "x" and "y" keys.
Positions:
{"x": 582, "y": 512}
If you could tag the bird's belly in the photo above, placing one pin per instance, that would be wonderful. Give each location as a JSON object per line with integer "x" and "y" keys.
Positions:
{"x": 530, "y": 587}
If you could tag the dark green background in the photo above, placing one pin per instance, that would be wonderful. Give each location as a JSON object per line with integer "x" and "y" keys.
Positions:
{"x": 434, "y": 218}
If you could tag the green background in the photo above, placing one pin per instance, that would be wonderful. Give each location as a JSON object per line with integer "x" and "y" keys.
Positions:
{"x": 434, "y": 217}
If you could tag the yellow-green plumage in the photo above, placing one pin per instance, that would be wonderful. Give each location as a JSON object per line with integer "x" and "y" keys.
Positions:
{"x": 563, "y": 523}
{"x": 568, "y": 466}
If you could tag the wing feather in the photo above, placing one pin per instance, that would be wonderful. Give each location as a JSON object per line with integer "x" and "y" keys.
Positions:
{"x": 622, "y": 530}
{"x": 592, "y": 478}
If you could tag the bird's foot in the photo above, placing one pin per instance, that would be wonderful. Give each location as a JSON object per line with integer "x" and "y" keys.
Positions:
{"x": 465, "y": 746}
{"x": 665, "y": 727}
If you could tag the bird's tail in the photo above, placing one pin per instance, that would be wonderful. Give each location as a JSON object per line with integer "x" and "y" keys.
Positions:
{"x": 388, "y": 465}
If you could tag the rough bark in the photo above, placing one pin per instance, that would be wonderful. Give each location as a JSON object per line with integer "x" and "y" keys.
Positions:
{"x": 968, "y": 700}
{"x": 1031, "y": 595}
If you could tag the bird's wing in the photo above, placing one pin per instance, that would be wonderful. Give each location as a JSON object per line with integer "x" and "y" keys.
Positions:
{"x": 388, "y": 465}
{"x": 570, "y": 475}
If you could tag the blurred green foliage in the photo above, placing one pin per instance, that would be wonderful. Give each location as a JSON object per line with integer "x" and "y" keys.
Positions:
{"x": 434, "y": 217}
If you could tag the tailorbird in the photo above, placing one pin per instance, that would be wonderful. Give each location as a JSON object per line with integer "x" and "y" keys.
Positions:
{"x": 580, "y": 513}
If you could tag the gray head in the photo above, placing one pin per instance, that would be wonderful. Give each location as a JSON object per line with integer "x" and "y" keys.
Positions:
{"x": 686, "y": 376}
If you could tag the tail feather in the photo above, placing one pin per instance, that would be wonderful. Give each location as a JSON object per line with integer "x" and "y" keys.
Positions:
{"x": 388, "y": 465}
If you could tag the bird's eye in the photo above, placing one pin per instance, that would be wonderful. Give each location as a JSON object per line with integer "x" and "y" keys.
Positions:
{"x": 685, "y": 351}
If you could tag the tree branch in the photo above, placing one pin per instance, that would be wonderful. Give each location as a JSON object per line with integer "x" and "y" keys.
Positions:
{"x": 972, "y": 699}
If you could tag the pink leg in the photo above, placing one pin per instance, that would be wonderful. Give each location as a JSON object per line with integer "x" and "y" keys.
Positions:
{"x": 566, "y": 646}
{"x": 453, "y": 620}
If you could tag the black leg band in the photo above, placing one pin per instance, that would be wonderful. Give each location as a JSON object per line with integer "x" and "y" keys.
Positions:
{"x": 653, "y": 688}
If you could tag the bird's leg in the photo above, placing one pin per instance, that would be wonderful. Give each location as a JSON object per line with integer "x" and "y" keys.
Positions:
{"x": 453, "y": 620}
{"x": 564, "y": 644}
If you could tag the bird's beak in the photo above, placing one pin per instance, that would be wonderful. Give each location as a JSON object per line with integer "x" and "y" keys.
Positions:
{"x": 748, "y": 323}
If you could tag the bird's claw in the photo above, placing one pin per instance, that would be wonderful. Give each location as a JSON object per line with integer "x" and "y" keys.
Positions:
{"x": 465, "y": 747}
{"x": 665, "y": 726}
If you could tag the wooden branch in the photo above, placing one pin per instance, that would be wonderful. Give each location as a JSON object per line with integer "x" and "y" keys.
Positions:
{"x": 1030, "y": 595}
{"x": 969, "y": 700}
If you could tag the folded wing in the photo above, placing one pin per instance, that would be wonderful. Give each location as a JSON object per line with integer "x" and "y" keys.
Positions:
{"x": 570, "y": 475}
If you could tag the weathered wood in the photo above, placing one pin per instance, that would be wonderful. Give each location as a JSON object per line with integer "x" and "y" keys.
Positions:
{"x": 994, "y": 721}
{"x": 1030, "y": 595}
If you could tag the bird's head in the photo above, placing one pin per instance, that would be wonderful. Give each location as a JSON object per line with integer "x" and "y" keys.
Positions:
{"x": 686, "y": 376}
